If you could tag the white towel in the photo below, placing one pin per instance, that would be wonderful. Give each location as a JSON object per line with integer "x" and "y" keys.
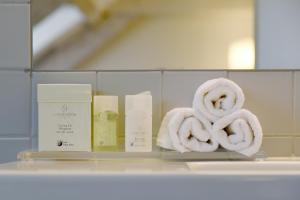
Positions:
{"x": 183, "y": 132}
{"x": 218, "y": 97}
{"x": 240, "y": 132}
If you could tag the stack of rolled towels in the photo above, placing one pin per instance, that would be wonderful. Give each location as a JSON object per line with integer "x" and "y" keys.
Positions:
{"x": 217, "y": 118}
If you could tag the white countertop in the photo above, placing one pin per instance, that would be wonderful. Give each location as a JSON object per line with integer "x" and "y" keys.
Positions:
{"x": 103, "y": 167}
{"x": 150, "y": 179}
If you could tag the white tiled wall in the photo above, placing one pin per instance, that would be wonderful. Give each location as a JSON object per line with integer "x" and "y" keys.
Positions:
{"x": 10, "y": 147}
{"x": 15, "y": 90}
{"x": 297, "y": 146}
{"x": 15, "y": 35}
{"x": 179, "y": 86}
{"x": 14, "y": 113}
{"x": 15, "y": 103}
{"x": 278, "y": 146}
{"x": 297, "y": 103}
{"x": 273, "y": 95}
{"x": 269, "y": 94}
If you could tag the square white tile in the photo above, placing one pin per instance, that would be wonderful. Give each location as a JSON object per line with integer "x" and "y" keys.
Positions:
{"x": 14, "y": 103}
{"x": 15, "y": 36}
{"x": 297, "y": 146}
{"x": 297, "y": 103}
{"x": 179, "y": 87}
{"x": 278, "y": 146}
{"x": 34, "y": 143}
{"x": 10, "y": 147}
{"x": 268, "y": 95}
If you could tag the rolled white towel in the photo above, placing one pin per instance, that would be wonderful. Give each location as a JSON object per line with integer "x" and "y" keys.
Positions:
{"x": 217, "y": 98}
{"x": 240, "y": 132}
{"x": 163, "y": 139}
{"x": 183, "y": 132}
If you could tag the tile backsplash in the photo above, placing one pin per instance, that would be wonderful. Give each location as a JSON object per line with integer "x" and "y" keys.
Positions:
{"x": 179, "y": 87}
{"x": 296, "y": 103}
{"x": 271, "y": 95}
{"x": 15, "y": 103}
{"x": 274, "y": 96}
{"x": 15, "y": 78}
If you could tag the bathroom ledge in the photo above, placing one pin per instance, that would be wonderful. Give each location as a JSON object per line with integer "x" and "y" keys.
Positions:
{"x": 152, "y": 166}
{"x": 163, "y": 155}
{"x": 150, "y": 179}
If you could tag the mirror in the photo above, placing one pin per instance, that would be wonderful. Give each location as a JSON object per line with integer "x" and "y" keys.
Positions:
{"x": 143, "y": 34}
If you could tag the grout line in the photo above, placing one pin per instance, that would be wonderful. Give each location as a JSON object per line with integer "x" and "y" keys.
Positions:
{"x": 99, "y": 84}
{"x": 278, "y": 136}
{"x": 162, "y": 94}
{"x": 227, "y": 74}
{"x": 162, "y": 97}
{"x": 14, "y": 3}
{"x": 83, "y": 70}
{"x": 14, "y": 69}
{"x": 31, "y": 36}
{"x": 14, "y": 138}
{"x": 293, "y": 111}
{"x": 31, "y": 110}
{"x": 31, "y": 104}
{"x": 255, "y": 32}
{"x": 14, "y": 135}
{"x": 94, "y": 88}
{"x": 165, "y": 70}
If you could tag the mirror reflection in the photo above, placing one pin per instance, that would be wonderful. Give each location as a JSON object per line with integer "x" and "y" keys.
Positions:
{"x": 143, "y": 34}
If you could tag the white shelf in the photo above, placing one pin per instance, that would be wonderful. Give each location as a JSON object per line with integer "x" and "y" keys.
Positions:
{"x": 164, "y": 155}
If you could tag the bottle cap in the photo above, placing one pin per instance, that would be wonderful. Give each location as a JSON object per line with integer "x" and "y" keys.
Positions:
{"x": 106, "y": 103}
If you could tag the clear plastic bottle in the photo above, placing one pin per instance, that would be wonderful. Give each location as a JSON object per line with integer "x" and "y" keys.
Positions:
{"x": 105, "y": 123}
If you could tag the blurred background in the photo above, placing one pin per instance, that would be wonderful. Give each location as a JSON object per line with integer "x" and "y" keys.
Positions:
{"x": 143, "y": 34}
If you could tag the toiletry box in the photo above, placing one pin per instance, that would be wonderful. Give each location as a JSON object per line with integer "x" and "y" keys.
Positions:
{"x": 64, "y": 117}
{"x": 138, "y": 122}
